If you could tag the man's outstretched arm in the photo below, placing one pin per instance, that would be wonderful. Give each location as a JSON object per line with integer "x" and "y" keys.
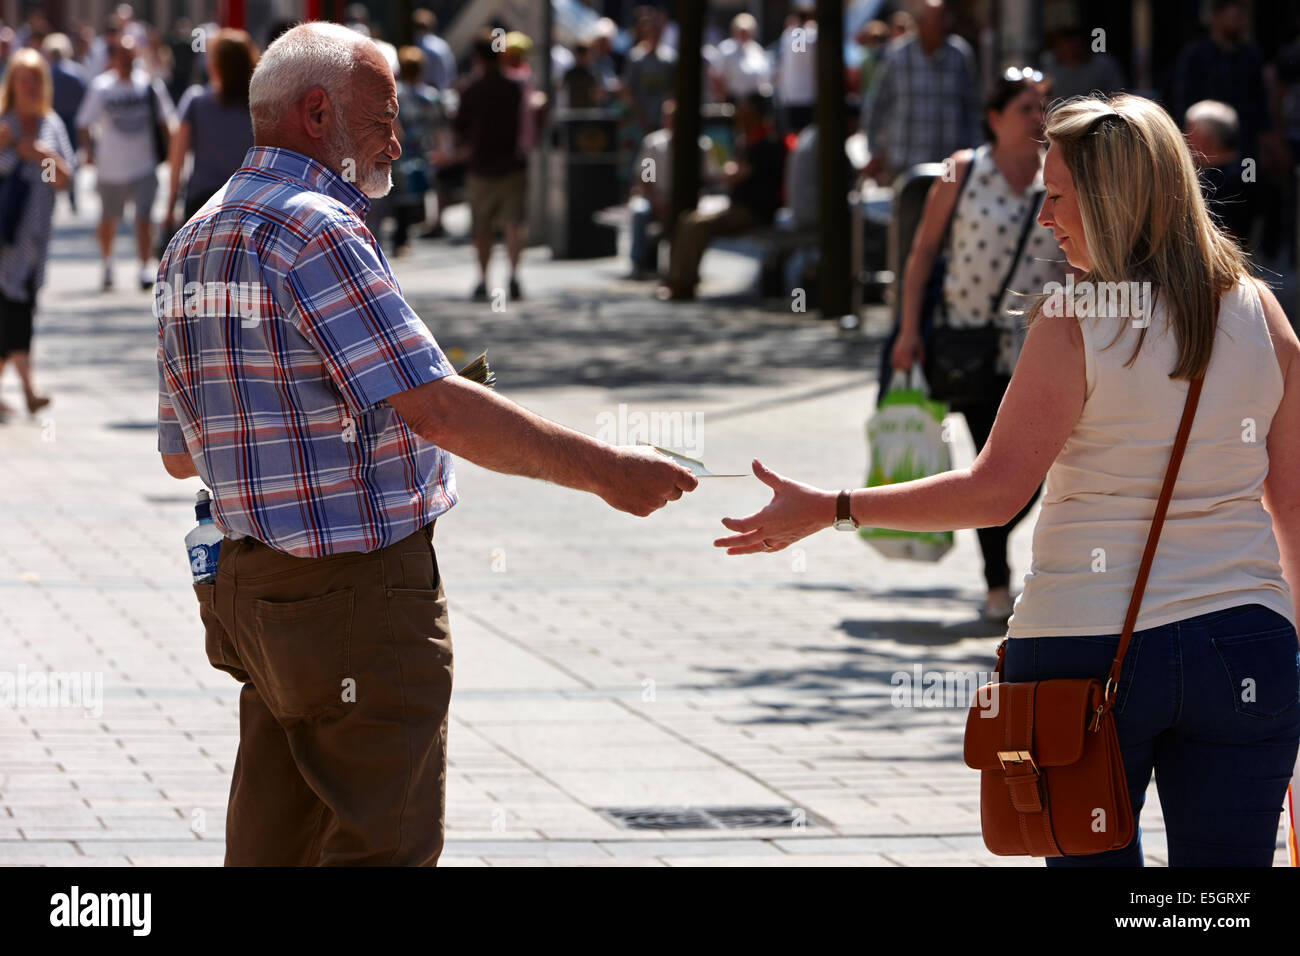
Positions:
{"x": 477, "y": 424}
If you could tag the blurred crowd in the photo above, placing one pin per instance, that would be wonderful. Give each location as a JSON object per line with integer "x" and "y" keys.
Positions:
{"x": 131, "y": 98}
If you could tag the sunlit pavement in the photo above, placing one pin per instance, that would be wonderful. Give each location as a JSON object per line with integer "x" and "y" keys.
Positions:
{"x": 603, "y": 663}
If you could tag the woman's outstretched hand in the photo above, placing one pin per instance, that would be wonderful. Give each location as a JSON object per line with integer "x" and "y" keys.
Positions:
{"x": 795, "y": 511}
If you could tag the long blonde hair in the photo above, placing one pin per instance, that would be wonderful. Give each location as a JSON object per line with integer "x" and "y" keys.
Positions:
{"x": 1144, "y": 218}
{"x": 27, "y": 58}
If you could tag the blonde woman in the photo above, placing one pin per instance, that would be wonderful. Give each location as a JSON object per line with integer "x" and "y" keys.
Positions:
{"x": 36, "y": 158}
{"x": 1210, "y": 695}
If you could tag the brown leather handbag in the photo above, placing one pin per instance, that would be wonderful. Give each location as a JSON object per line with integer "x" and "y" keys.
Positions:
{"x": 1051, "y": 773}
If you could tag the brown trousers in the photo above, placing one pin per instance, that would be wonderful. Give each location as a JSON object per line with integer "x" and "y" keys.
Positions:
{"x": 346, "y": 665}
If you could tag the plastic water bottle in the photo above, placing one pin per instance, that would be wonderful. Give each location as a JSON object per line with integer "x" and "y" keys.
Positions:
{"x": 204, "y": 542}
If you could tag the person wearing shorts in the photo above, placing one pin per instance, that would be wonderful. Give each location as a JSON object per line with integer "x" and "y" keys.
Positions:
{"x": 496, "y": 180}
{"x": 114, "y": 197}
{"x": 125, "y": 106}
{"x": 497, "y": 203}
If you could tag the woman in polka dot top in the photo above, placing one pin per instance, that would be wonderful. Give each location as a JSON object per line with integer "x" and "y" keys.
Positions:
{"x": 991, "y": 193}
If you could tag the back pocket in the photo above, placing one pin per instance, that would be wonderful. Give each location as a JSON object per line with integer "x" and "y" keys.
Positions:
{"x": 1263, "y": 671}
{"x": 305, "y": 649}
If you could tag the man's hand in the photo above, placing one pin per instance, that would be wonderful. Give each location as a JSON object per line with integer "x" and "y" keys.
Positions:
{"x": 640, "y": 481}
{"x": 87, "y": 146}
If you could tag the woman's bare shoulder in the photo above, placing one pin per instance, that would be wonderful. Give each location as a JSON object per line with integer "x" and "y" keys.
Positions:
{"x": 1285, "y": 343}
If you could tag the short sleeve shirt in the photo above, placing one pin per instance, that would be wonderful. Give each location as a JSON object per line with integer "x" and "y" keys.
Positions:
{"x": 119, "y": 112}
{"x": 282, "y": 331}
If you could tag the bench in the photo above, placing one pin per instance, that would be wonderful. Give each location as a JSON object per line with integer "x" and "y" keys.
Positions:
{"x": 771, "y": 245}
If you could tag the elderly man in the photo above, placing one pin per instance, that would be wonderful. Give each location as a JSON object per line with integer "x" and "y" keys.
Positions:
{"x": 322, "y": 415}
{"x": 1213, "y": 132}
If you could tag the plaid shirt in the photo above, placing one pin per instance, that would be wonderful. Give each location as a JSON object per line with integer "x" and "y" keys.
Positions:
{"x": 272, "y": 375}
{"x": 922, "y": 109}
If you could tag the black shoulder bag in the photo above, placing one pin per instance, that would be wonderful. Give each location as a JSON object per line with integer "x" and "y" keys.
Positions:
{"x": 161, "y": 132}
{"x": 961, "y": 363}
{"x": 15, "y": 189}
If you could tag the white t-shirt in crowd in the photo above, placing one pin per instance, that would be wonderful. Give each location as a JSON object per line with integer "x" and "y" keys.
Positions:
{"x": 796, "y": 68}
{"x": 117, "y": 113}
{"x": 744, "y": 67}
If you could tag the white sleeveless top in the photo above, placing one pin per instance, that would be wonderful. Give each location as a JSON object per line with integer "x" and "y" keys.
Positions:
{"x": 1216, "y": 549}
{"x": 985, "y": 229}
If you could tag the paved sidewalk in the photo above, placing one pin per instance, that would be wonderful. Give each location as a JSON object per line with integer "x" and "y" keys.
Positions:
{"x": 603, "y": 662}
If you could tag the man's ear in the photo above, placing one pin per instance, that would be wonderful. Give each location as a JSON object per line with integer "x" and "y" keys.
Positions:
{"x": 316, "y": 110}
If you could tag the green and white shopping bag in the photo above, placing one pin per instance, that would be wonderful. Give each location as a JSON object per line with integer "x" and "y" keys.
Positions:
{"x": 905, "y": 442}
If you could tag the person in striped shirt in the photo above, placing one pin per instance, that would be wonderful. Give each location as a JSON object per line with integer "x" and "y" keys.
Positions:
{"x": 295, "y": 380}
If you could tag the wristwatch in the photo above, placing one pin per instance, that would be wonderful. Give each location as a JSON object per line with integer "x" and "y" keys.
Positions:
{"x": 844, "y": 520}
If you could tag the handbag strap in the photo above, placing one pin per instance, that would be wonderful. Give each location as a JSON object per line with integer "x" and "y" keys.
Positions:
{"x": 1034, "y": 199}
{"x": 961, "y": 186}
{"x": 1153, "y": 536}
{"x": 940, "y": 309}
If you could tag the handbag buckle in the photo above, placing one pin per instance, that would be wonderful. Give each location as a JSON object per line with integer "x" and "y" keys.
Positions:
{"x": 1107, "y": 698}
{"x": 1016, "y": 756}
{"x": 1111, "y": 687}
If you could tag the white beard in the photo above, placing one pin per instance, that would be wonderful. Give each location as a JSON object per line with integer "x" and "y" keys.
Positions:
{"x": 375, "y": 183}
{"x": 370, "y": 181}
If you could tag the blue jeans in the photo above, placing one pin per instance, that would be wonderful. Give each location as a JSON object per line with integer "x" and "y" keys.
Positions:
{"x": 1211, "y": 704}
{"x": 641, "y": 254}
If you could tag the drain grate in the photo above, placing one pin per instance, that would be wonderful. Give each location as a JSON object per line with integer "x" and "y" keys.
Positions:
{"x": 707, "y": 818}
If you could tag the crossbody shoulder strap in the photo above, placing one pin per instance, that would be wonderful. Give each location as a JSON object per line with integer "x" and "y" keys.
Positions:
{"x": 1035, "y": 199}
{"x": 1153, "y": 536}
{"x": 961, "y": 187}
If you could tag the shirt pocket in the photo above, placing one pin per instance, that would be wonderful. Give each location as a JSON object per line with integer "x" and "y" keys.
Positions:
{"x": 302, "y": 651}
{"x": 1263, "y": 671}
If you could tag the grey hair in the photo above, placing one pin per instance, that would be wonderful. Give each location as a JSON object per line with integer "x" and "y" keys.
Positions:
{"x": 57, "y": 47}
{"x": 1217, "y": 119}
{"x": 309, "y": 56}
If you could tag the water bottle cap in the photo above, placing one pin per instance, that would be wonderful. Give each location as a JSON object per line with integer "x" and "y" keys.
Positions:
{"x": 203, "y": 505}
